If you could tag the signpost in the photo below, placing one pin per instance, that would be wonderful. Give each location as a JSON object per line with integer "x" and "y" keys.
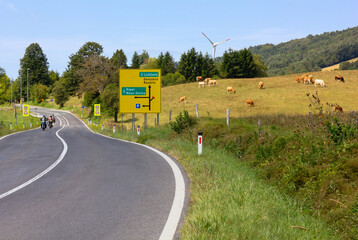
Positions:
{"x": 25, "y": 110}
{"x": 140, "y": 91}
{"x": 97, "y": 111}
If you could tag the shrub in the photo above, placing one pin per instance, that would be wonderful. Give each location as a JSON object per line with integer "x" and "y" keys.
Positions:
{"x": 182, "y": 121}
{"x": 172, "y": 79}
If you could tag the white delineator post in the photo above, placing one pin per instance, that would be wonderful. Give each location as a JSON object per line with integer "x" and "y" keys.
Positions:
{"x": 138, "y": 130}
{"x": 114, "y": 128}
{"x": 200, "y": 143}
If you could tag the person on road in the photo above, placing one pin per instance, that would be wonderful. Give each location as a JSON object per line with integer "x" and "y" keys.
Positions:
{"x": 44, "y": 120}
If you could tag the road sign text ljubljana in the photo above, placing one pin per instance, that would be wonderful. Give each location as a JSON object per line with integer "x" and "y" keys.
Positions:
{"x": 139, "y": 91}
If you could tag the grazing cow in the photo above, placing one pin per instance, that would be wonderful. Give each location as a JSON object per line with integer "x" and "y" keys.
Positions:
{"x": 338, "y": 77}
{"x": 201, "y": 84}
{"x": 182, "y": 99}
{"x": 207, "y": 80}
{"x": 213, "y": 82}
{"x": 303, "y": 77}
{"x": 319, "y": 82}
{"x": 230, "y": 89}
{"x": 298, "y": 80}
{"x": 339, "y": 108}
{"x": 261, "y": 85}
{"x": 250, "y": 102}
{"x": 308, "y": 80}
{"x": 199, "y": 78}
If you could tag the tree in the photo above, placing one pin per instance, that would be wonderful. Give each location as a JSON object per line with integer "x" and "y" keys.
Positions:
{"x": 4, "y": 86}
{"x": 144, "y": 57}
{"x": 136, "y": 60}
{"x": 35, "y": 60}
{"x": 96, "y": 73}
{"x": 238, "y": 64}
{"x": 60, "y": 93}
{"x": 189, "y": 65}
{"x": 109, "y": 99}
{"x": 119, "y": 59}
{"x": 72, "y": 79}
{"x": 39, "y": 92}
{"x": 166, "y": 63}
{"x": 152, "y": 63}
{"x": 54, "y": 77}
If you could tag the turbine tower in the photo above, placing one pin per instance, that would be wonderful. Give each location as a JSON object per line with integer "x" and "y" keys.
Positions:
{"x": 214, "y": 45}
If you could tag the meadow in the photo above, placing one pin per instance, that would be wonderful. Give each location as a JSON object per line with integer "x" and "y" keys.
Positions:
{"x": 280, "y": 95}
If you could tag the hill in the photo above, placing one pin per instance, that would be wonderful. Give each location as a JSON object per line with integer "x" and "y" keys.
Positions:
{"x": 336, "y": 66}
{"x": 308, "y": 54}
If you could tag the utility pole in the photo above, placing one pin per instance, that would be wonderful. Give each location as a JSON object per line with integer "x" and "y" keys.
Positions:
{"x": 12, "y": 80}
{"x": 21, "y": 90}
{"x": 28, "y": 86}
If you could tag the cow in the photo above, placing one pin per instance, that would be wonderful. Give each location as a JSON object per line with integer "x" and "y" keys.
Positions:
{"x": 230, "y": 89}
{"x": 261, "y": 85}
{"x": 339, "y": 108}
{"x": 250, "y": 102}
{"x": 207, "y": 80}
{"x": 298, "y": 80}
{"x": 213, "y": 82}
{"x": 199, "y": 78}
{"x": 303, "y": 77}
{"x": 182, "y": 99}
{"x": 319, "y": 82}
{"x": 308, "y": 80}
{"x": 338, "y": 77}
{"x": 201, "y": 84}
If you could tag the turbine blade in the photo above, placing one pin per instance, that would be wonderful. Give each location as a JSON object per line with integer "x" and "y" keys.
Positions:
{"x": 208, "y": 38}
{"x": 222, "y": 41}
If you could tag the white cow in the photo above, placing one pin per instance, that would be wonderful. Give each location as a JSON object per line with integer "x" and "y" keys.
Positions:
{"x": 319, "y": 82}
{"x": 201, "y": 84}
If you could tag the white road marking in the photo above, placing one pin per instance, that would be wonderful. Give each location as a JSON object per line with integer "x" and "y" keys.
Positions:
{"x": 179, "y": 195}
{"x": 42, "y": 173}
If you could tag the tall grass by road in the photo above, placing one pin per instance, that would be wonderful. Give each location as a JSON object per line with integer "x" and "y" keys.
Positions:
{"x": 7, "y": 116}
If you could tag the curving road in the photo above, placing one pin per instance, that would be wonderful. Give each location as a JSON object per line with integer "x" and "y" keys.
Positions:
{"x": 69, "y": 183}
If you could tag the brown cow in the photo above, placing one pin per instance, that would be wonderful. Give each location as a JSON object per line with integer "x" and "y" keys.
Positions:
{"x": 230, "y": 89}
{"x": 261, "y": 85}
{"x": 338, "y": 77}
{"x": 250, "y": 102}
{"x": 199, "y": 78}
{"x": 298, "y": 80}
{"x": 339, "y": 108}
{"x": 182, "y": 99}
{"x": 207, "y": 80}
{"x": 303, "y": 77}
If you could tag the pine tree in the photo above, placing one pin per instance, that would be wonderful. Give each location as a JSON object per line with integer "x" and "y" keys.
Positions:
{"x": 34, "y": 63}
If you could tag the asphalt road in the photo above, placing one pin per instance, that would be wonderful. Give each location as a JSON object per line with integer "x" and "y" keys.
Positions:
{"x": 69, "y": 183}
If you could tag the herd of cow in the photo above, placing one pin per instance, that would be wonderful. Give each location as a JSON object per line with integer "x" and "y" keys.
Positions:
{"x": 305, "y": 79}
{"x": 309, "y": 80}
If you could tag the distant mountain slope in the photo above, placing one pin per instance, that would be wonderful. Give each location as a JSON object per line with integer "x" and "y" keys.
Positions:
{"x": 309, "y": 54}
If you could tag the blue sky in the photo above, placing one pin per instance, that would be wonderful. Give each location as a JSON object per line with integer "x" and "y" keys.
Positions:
{"x": 62, "y": 27}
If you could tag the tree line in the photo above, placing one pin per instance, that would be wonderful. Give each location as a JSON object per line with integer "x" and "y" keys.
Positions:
{"x": 309, "y": 54}
{"x": 95, "y": 77}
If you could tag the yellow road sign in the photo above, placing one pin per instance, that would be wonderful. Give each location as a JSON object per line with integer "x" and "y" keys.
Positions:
{"x": 25, "y": 110}
{"x": 97, "y": 110}
{"x": 139, "y": 91}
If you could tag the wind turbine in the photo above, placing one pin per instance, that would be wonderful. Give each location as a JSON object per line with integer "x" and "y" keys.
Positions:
{"x": 214, "y": 45}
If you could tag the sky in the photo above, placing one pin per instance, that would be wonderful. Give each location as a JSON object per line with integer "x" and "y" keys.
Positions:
{"x": 61, "y": 28}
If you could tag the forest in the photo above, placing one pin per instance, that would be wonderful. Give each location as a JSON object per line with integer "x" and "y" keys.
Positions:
{"x": 309, "y": 54}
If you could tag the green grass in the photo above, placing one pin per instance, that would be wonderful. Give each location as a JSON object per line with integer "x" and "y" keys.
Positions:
{"x": 7, "y": 116}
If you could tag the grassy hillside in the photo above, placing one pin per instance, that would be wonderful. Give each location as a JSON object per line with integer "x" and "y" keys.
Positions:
{"x": 281, "y": 95}
{"x": 307, "y": 54}
{"x": 336, "y": 66}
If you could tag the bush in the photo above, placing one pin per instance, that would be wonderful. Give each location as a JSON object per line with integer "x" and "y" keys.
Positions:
{"x": 39, "y": 92}
{"x": 172, "y": 79}
{"x": 182, "y": 122}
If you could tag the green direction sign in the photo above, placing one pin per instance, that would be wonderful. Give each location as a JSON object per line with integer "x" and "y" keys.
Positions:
{"x": 134, "y": 91}
{"x": 149, "y": 74}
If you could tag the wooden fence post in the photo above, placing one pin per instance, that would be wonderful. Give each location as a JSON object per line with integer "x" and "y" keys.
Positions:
{"x": 157, "y": 118}
{"x": 260, "y": 126}
{"x": 145, "y": 120}
{"x": 227, "y": 116}
{"x": 170, "y": 115}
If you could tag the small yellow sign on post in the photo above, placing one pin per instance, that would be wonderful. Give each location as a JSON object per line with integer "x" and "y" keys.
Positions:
{"x": 25, "y": 110}
{"x": 97, "y": 110}
{"x": 140, "y": 91}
